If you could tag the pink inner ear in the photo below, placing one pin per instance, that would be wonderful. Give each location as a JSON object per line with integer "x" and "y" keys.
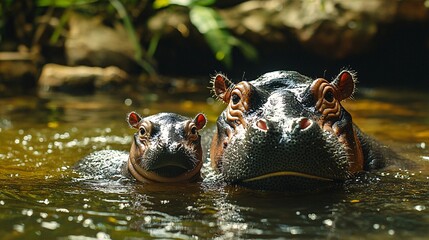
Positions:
{"x": 200, "y": 121}
{"x": 219, "y": 84}
{"x": 346, "y": 85}
{"x": 133, "y": 119}
{"x": 345, "y": 76}
{"x": 220, "y": 77}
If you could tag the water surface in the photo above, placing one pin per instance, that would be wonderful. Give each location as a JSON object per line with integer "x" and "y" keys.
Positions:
{"x": 43, "y": 136}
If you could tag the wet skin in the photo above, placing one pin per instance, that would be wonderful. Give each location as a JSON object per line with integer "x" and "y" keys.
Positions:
{"x": 286, "y": 131}
{"x": 166, "y": 148}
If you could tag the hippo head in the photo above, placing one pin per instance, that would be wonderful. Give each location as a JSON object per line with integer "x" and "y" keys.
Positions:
{"x": 285, "y": 131}
{"x": 166, "y": 147}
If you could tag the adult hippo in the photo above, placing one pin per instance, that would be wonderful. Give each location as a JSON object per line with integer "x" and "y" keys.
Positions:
{"x": 286, "y": 131}
{"x": 166, "y": 148}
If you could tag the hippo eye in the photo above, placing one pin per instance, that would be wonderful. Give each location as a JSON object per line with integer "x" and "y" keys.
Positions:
{"x": 194, "y": 130}
{"x": 235, "y": 98}
{"x": 329, "y": 96}
{"x": 142, "y": 131}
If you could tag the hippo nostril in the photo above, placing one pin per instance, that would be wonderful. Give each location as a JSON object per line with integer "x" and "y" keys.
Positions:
{"x": 304, "y": 123}
{"x": 261, "y": 124}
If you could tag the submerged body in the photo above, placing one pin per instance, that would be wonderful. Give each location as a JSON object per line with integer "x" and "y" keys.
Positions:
{"x": 286, "y": 131}
{"x": 166, "y": 148}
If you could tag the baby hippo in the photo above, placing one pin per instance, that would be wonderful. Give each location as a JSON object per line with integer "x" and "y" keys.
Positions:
{"x": 166, "y": 148}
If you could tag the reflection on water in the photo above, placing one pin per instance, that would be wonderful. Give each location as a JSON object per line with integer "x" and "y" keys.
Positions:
{"x": 40, "y": 197}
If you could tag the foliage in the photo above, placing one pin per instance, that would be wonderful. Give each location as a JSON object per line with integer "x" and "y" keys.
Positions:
{"x": 122, "y": 13}
{"x": 211, "y": 25}
{"x": 62, "y": 3}
{"x": 4, "y": 5}
{"x": 132, "y": 34}
{"x": 206, "y": 20}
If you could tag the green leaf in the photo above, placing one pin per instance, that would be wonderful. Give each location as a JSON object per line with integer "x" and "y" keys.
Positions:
{"x": 160, "y": 4}
{"x": 218, "y": 40}
{"x": 205, "y": 19}
{"x": 210, "y": 24}
{"x": 129, "y": 27}
{"x": 186, "y": 3}
{"x": 59, "y": 28}
{"x": 62, "y": 3}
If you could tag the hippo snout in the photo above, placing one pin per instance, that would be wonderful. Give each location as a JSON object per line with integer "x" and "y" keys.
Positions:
{"x": 285, "y": 126}
{"x": 172, "y": 156}
{"x": 281, "y": 149}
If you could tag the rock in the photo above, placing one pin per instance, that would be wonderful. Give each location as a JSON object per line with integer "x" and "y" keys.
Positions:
{"x": 90, "y": 42}
{"x": 333, "y": 28}
{"x": 80, "y": 78}
{"x": 17, "y": 72}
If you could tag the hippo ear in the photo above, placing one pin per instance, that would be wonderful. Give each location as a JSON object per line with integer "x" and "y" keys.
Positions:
{"x": 200, "y": 121}
{"x": 133, "y": 119}
{"x": 344, "y": 84}
{"x": 222, "y": 87}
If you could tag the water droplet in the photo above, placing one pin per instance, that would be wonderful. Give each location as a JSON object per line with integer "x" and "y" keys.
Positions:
{"x": 46, "y": 201}
{"x": 87, "y": 222}
{"x": 391, "y": 232}
{"x": 103, "y": 236}
{"x": 376, "y": 226}
{"x": 64, "y": 210}
{"x": 19, "y": 228}
{"x": 128, "y": 102}
{"x": 420, "y": 207}
{"x": 328, "y": 222}
{"x": 295, "y": 230}
{"x": 50, "y": 225}
{"x": 27, "y": 137}
{"x": 27, "y": 212}
{"x": 312, "y": 216}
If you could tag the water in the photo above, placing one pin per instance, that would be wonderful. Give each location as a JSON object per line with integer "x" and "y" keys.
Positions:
{"x": 41, "y": 197}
